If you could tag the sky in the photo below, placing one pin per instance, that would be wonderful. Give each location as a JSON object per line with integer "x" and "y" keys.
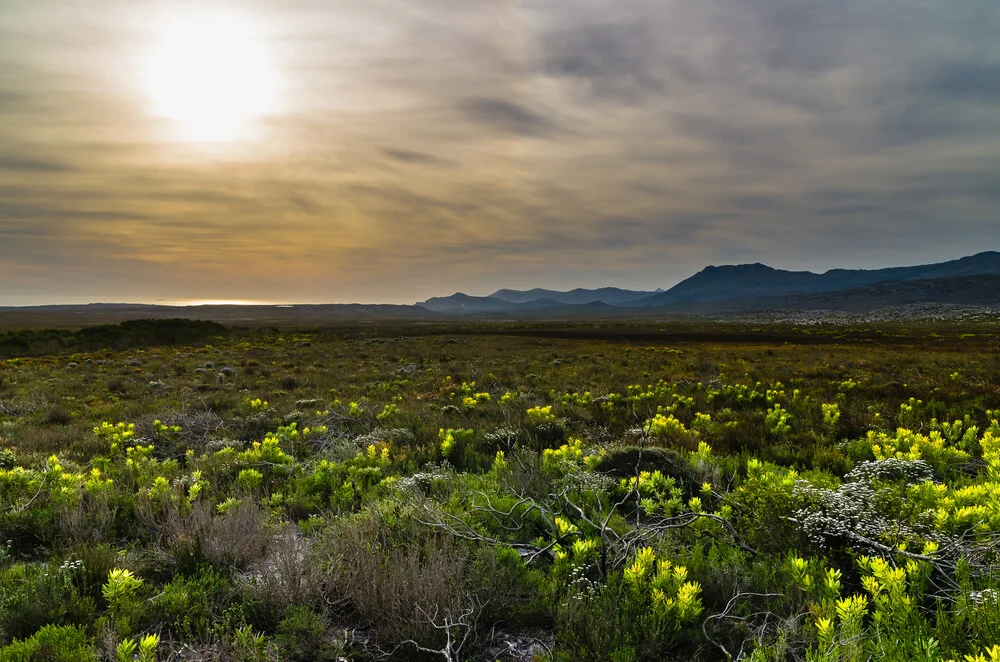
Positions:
{"x": 393, "y": 150}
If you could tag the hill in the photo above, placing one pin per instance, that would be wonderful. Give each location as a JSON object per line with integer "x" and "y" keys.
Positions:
{"x": 609, "y": 295}
{"x": 753, "y": 281}
{"x": 980, "y": 290}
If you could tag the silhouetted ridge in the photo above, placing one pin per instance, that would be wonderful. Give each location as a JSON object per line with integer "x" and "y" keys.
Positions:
{"x": 719, "y": 288}
{"x": 752, "y": 281}
{"x": 608, "y": 295}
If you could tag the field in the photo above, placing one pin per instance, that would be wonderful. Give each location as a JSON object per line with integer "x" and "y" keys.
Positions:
{"x": 189, "y": 491}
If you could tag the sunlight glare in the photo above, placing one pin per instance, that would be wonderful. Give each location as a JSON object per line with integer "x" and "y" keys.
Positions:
{"x": 211, "y": 75}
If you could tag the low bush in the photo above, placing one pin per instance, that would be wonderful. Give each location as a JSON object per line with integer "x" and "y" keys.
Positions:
{"x": 302, "y": 636}
{"x": 52, "y": 643}
{"x": 34, "y": 595}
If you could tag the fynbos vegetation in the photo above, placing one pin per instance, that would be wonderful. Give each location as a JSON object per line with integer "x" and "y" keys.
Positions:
{"x": 606, "y": 493}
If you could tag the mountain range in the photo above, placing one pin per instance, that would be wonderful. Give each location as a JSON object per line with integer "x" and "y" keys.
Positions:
{"x": 969, "y": 283}
{"x": 972, "y": 280}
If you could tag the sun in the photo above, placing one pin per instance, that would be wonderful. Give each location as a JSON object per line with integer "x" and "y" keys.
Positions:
{"x": 212, "y": 75}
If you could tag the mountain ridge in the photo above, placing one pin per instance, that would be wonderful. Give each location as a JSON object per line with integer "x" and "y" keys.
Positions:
{"x": 579, "y": 295}
{"x": 759, "y": 280}
{"x": 970, "y": 281}
{"x": 735, "y": 286}
{"x": 981, "y": 290}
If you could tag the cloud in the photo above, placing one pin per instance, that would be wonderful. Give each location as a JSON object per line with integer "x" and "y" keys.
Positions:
{"x": 418, "y": 158}
{"x": 966, "y": 81}
{"x": 616, "y": 61}
{"x": 425, "y": 144}
{"x": 30, "y": 165}
{"x": 505, "y": 115}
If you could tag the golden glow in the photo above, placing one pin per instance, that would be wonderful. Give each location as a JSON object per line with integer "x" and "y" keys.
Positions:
{"x": 218, "y": 302}
{"x": 212, "y": 75}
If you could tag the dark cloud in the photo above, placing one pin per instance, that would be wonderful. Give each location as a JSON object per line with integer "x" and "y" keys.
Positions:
{"x": 9, "y": 101}
{"x": 847, "y": 209}
{"x": 31, "y": 165}
{"x": 40, "y": 213}
{"x": 508, "y": 116}
{"x": 767, "y": 203}
{"x": 614, "y": 60}
{"x": 420, "y": 158}
{"x": 965, "y": 81}
{"x": 806, "y": 37}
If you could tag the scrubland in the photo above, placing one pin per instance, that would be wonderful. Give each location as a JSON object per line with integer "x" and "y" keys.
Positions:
{"x": 663, "y": 492}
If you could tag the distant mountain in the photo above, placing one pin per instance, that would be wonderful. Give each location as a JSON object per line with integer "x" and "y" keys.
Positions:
{"x": 754, "y": 281}
{"x": 609, "y": 295}
{"x": 980, "y": 290}
{"x": 743, "y": 287}
{"x": 750, "y": 288}
{"x": 463, "y": 302}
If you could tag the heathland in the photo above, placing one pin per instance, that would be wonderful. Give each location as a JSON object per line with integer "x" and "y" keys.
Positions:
{"x": 180, "y": 490}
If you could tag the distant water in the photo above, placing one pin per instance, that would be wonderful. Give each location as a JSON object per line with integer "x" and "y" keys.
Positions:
{"x": 217, "y": 302}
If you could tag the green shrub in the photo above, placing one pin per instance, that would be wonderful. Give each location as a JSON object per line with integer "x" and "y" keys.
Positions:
{"x": 245, "y": 645}
{"x": 32, "y": 596}
{"x": 302, "y": 637}
{"x": 509, "y": 589}
{"x": 190, "y": 605}
{"x": 52, "y": 643}
{"x": 646, "y": 614}
{"x": 124, "y": 593}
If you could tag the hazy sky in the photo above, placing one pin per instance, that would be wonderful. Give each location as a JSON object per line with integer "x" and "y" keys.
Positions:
{"x": 410, "y": 148}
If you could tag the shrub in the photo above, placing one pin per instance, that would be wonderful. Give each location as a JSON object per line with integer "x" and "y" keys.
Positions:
{"x": 288, "y": 574}
{"x": 642, "y": 614}
{"x": 122, "y": 593}
{"x": 225, "y": 541}
{"x": 32, "y": 596}
{"x": 147, "y": 648}
{"x": 302, "y": 637}
{"x": 189, "y": 606}
{"x": 508, "y": 589}
{"x": 58, "y": 416}
{"x": 245, "y": 645}
{"x": 91, "y": 519}
{"x": 399, "y": 577}
{"x": 52, "y": 643}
